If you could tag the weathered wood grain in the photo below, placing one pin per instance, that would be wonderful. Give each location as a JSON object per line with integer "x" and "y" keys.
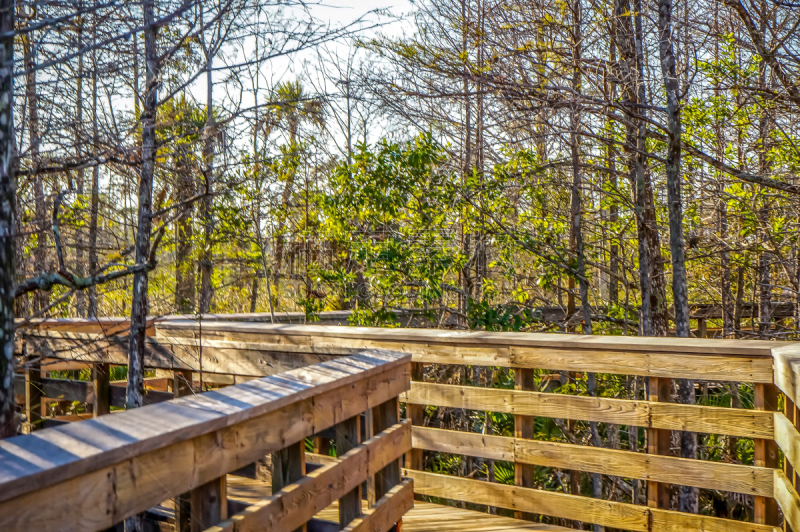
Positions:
{"x": 714, "y": 420}
{"x": 667, "y": 469}
{"x": 388, "y": 510}
{"x": 298, "y": 502}
{"x": 608, "y": 513}
{"x": 95, "y": 473}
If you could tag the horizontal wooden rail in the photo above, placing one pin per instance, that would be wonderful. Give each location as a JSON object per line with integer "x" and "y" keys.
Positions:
{"x": 297, "y": 503}
{"x": 96, "y": 473}
{"x": 83, "y": 391}
{"x": 669, "y": 416}
{"x": 717, "y": 360}
{"x": 671, "y": 470}
{"x": 608, "y": 513}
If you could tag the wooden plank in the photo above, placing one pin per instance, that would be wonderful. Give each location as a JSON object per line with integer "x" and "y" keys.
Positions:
{"x": 608, "y": 513}
{"x": 301, "y": 500}
{"x": 703, "y": 366}
{"x": 288, "y": 467}
{"x": 416, "y": 413}
{"x": 151, "y": 397}
{"x": 387, "y": 511}
{"x": 765, "y": 509}
{"x": 60, "y": 389}
{"x": 385, "y": 415}
{"x": 108, "y": 326}
{"x": 658, "y": 443}
{"x": 180, "y": 444}
{"x": 478, "y": 338}
{"x": 788, "y": 499}
{"x": 209, "y": 504}
{"x": 671, "y": 470}
{"x": 671, "y": 521}
{"x": 348, "y": 436}
{"x": 464, "y": 443}
{"x": 34, "y": 408}
{"x": 90, "y": 348}
{"x": 524, "y": 427}
{"x": 715, "y": 420}
{"x": 101, "y": 389}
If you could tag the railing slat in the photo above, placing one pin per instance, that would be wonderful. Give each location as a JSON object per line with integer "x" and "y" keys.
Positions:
{"x": 737, "y": 478}
{"x": 613, "y": 514}
{"x": 706, "y": 419}
{"x": 348, "y": 436}
{"x": 209, "y": 504}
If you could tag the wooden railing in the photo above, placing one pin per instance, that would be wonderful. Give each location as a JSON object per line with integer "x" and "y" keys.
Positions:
{"x": 771, "y": 368}
{"x": 94, "y": 474}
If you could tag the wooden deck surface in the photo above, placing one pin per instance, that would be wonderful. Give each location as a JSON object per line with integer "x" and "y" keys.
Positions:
{"x": 425, "y": 517}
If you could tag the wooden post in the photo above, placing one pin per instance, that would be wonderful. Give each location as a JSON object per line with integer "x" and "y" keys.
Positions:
{"x": 209, "y": 504}
{"x": 182, "y": 386}
{"x": 289, "y": 465}
{"x": 348, "y": 436}
{"x": 101, "y": 388}
{"x": 34, "y": 407}
{"x": 369, "y": 432}
{"x": 182, "y": 383}
{"x": 322, "y": 446}
{"x": 658, "y": 442}
{"x": 416, "y": 413}
{"x": 384, "y": 416}
{"x": 702, "y": 330}
{"x": 524, "y": 428}
{"x": 765, "y": 509}
{"x": 790, "y": 411}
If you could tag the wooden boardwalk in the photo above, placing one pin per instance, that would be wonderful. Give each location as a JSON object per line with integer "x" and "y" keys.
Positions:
{"x": 425, "y": 517}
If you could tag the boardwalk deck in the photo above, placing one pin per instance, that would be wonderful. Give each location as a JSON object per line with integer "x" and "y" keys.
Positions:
{"x": 425, "y": 517}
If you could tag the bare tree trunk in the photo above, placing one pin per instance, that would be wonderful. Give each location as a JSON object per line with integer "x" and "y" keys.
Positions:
{"x": 206, "y": 209}
{"x": 688, "y": 500}
{"x": 628, "y": 34}
{"x": 80, "y": 297}
{"x": 7, "y": 223}
{"x": 91, "y": 311}
{"x": 139, "y": 306}
{"x": 722, "y": 218}
{"x": 613, "y": 211}
{"x": 40, "y": 297}
{"x": 466, "y": 167}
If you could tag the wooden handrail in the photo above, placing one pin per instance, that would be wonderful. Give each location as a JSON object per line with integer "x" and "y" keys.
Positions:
{"x": 96, "y": 473}
{"x": 256, "y": 349}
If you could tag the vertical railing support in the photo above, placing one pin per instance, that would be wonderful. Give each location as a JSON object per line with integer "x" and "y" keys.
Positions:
{"x": 101, "y": 388}
{"x": 416, "y": 413}
{"x": 790, "y": 411}
{"x": 384, "y": 416}
{"x": 34, "y": 407}
{"x": 348, "y": 436}
{"x": 289, "y": 465}
{"x": 524, "y": 428}
{"x": 658, "y": 442}
{"x": 209, "y": 504}
{"x": 765, "y": 509}
{"x": 182, "y": 386}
